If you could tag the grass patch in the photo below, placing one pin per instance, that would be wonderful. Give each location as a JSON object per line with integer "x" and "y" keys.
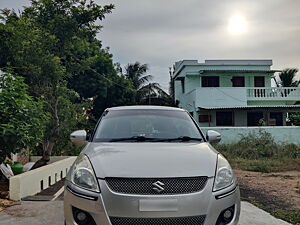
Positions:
{"x": 265, "y": 165}
{"x": 290, "y": 216}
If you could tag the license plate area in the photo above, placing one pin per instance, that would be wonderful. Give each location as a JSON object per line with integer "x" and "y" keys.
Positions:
{"x": 158, "y": 205}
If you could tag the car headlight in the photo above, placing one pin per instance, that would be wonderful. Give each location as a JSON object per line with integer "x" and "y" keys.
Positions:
{"x": 83, "y": 175}
{"x": 224, "y": 174}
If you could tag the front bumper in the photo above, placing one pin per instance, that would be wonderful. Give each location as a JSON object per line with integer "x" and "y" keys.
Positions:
{"x": 102, "y": 206}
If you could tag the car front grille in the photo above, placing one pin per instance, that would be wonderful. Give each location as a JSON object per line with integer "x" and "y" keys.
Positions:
{"x": 192, "y": 220}
{"x": 157, "y": 186}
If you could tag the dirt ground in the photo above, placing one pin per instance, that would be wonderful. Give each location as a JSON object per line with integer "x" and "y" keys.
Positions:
{"x": 272, "y": 190}
{"x": 4, "y": 203}
{"x": 3, "y": 189}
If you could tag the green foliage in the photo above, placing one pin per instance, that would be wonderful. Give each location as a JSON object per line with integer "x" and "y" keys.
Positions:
{"x": 295, "y": 118}
{"x": 291, "y": 216}
{"x": 22, "y": 118}
{"x": 252, "y": 146}
{"x": 53, "y": 45}
{"x": 287, "y": 78}
{"x": 136, "y": 72}
{"x": 147, "y": 92}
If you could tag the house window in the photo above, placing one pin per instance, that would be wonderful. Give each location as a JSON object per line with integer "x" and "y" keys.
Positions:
{"x": 259, "y": 81}
{"x": 277, "y": 117}
{"x": 254, "y": 118}
{"x": 212, "y": 81}
{"x": 238, "y": 81}
{"x": 204, "y": 118}
{"x": 224, "y": 118}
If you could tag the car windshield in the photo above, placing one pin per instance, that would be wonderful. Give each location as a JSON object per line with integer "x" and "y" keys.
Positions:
{"x": 146, "y": 125}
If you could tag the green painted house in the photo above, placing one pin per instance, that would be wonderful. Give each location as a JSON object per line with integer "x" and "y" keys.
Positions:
{"x": 233, "y": 93}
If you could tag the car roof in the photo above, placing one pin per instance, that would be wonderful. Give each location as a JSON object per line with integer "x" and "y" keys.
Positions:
{"x": 145, "y": 107}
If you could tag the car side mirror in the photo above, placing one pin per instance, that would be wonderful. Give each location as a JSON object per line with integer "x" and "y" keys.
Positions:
{"x": 213, "y": 136}
{"x": 78, "y": 137}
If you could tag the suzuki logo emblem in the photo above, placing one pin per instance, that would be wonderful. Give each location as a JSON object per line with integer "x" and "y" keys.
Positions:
{"x": 158, "y": 186}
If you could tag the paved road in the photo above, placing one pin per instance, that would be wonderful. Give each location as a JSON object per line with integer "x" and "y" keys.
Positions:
{"x": 51, "y": 212}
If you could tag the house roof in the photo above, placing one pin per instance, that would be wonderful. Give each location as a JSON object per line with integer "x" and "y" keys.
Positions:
{"x": 252, "y": 107}
{"x": 239, "y": 70}
{"x": 178, "y": 66}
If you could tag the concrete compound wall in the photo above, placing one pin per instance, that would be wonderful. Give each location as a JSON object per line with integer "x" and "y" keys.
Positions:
{"x": 285, "y": 134}
{"x": 52, "y": 158}
{"x": 34, "y": 181}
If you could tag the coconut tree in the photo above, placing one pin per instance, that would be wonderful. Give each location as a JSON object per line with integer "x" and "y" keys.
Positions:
{"x": 137, "y": 74}
{"x": 287, "y": 78}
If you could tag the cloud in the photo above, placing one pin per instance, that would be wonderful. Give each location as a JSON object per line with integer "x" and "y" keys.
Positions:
{"x": 160, "y": 32}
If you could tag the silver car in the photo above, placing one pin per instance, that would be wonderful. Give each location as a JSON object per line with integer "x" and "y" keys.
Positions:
{"x": 150, "y": 165}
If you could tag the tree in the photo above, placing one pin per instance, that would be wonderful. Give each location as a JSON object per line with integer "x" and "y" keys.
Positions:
{"x": 160, "y": 97}
{"x": 53, "y": 45}
{"x": 294, "y": 118}
{"x": 287, "y": 78}
{"x": 27, "y": 50}
{"x": 92, "y": 72}
{"x": 22, "y": 118}
{"x": 137, "y": 74}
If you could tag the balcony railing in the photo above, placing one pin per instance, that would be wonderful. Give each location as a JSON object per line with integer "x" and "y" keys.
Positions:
{"x": 274, "y": 93}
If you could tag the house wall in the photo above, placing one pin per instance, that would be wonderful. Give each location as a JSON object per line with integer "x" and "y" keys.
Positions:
{"x": 240, "y": 116}
{"x": 192, "y": 82}
{"x": 215, "y": 97}
{"x": 225, "y": 78}
{"x": 177, "y": 89}
{"x": 285, "y": 134}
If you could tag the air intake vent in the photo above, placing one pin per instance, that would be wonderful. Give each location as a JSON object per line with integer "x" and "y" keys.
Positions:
{"x": 193, "y": 220}
{"x": 157, "y": 186}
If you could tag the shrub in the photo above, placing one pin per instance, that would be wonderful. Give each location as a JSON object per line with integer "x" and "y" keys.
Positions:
{"x": 289, "y": 151}
{"x": 257, "y": 151}
{"x": 254, "y": 145}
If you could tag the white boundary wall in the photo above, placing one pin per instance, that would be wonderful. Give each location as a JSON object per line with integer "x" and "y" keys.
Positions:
{"x": 52, "y": 158}
{"x": 282, "y": 134}
{"x": 34, "y": 181}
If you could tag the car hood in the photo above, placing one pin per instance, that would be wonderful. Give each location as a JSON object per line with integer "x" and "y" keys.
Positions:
{"x": 152, "y": 159}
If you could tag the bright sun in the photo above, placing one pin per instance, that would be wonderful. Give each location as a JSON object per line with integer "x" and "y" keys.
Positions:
{"x": 237, "y": 25}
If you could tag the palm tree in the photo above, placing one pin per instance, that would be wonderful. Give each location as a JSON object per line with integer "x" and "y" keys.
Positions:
{"x": 136, "y": 73}
{"x": 287, "y": 78}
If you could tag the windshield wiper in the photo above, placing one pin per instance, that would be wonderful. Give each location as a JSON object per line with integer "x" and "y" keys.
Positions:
{"x": 181, "y": 138}
{"x": 134, "y": 138}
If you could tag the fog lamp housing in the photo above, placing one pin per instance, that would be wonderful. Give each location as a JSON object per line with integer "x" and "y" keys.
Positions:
{"x": 226, "y": 216}
{"x": 82, "y": 217}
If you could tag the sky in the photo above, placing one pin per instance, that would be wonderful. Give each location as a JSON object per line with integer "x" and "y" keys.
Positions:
{"x": 161, "y": 32}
